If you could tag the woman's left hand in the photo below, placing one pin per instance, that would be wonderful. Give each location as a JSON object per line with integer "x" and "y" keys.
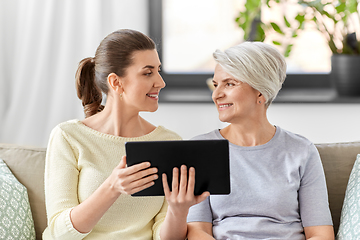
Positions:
{"x": 182, "y": 197}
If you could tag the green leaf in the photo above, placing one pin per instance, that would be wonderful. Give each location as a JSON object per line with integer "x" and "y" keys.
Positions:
{"x": 341, "y": 7}
{"x": 352, "y": 5}
{"x": 276, "y": 43}
{"x": 260, "y": 33}
{"x": 301, "y": 19}
{"x": 267, "y": 3}
{"x": 287, "y": 22}
{"x": 277, "y": 28}
{"x": 288, "y": 50}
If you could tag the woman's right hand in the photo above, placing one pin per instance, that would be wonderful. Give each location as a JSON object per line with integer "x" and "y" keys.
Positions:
{"x": 129, "y": 180}
{"x": 122, "y": 180}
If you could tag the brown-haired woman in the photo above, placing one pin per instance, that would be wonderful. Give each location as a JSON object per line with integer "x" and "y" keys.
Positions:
{"x": 87, "y": 190}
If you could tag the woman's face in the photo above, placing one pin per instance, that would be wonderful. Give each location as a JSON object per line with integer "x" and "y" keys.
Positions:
{"x": 235, "y": 100}
{"x": 142, "y": 83}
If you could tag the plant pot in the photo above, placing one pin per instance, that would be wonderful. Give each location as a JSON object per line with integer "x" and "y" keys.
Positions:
{"x": 345, "y": 74}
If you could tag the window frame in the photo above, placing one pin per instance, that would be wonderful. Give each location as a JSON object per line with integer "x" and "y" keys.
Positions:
{"x": 183, "y": 81}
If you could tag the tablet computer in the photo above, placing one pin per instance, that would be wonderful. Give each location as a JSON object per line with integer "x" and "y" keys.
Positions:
{"x": 210, "y": 158}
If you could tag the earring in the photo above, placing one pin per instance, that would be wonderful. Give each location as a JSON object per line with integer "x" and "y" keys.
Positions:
{"x": 260, "y": 102}
{"x": 120, "y": 95}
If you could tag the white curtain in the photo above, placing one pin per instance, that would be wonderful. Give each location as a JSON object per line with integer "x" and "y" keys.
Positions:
{"x": 41, "y": 43}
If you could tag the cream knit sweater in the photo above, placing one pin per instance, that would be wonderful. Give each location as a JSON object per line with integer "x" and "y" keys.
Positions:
{"x": 78, "y": 161}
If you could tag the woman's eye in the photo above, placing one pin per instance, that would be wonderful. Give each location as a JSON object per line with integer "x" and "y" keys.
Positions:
{"x": 148, "y": 74}
{"x": 230, "y": 84}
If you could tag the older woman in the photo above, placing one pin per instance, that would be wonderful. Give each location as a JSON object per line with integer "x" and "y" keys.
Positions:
{"x": 278, "y": 188}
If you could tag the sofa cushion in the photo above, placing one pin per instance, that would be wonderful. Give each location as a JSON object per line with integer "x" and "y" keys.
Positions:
{"x": 338, "y": 160}
{"x": 16, "y": 220}
{"x": 28, "y": 164}
{"x": 350, "y": 215}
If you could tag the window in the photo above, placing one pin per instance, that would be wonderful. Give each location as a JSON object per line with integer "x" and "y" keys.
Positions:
{"x": 188, "y": 31}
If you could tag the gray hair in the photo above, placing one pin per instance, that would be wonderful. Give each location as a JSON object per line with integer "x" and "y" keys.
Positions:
{"x": 256, "y": 63}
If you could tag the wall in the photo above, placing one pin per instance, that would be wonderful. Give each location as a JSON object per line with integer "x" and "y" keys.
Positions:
{"x": 321, "y": 123}
{"x": 41, "y": 44}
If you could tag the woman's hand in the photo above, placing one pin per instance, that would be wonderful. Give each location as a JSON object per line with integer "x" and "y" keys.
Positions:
{"x": 129, "y": 180}
{"x": 123, "y": 180}
{"x": 182, "y": 197}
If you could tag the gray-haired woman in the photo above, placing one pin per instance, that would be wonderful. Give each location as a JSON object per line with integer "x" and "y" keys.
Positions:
{"x": 278, "y": 188}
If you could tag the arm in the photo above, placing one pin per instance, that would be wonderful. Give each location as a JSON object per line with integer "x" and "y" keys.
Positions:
{"x": 200, "y": 230}
{"x": 180, "y": 200}
{"x": 123, "y": 180}
{"x": 313, "y": 199}
{"x": 67, "y": 218}
{"x": 325, "y": 232}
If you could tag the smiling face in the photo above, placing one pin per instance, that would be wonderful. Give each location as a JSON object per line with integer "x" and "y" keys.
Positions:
{"x": 142, "y": 82}
{"x": 235, "y": 100}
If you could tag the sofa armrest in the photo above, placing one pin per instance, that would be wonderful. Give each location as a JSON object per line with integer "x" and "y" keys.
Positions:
{"x": 338, "y": 160}
{"x": 28, "y": 164}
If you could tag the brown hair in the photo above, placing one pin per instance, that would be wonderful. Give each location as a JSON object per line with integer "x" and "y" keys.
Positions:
{"x": 113, "y": 55}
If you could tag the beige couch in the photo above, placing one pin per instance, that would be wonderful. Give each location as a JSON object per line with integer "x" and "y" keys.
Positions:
{"x": 27, "y": 164}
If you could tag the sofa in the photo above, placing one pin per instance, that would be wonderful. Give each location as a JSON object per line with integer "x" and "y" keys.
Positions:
{"x": 27, "y": 165}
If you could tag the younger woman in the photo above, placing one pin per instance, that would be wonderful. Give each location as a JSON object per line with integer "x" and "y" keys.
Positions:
{"x": 87, "y": 183}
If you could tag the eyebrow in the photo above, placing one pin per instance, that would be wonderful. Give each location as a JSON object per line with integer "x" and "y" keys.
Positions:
{"x": 226, "y": 80}
{"x": 150, "y": 66}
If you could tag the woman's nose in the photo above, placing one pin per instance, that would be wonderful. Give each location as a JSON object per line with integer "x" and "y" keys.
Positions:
{"x": 217, "y": 93}
{"x": 160, "y": 82}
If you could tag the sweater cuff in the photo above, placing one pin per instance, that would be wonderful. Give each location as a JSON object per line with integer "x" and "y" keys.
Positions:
{"x": 75, "y": 233}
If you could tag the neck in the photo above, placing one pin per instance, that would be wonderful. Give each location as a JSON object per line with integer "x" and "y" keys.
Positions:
{"x": 115, "y": 120}
{"x": 249, "y": 133}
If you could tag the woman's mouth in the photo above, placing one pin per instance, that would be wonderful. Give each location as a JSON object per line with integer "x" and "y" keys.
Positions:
{"x": 224, "y": 106}
{"x": 153, "y": 95}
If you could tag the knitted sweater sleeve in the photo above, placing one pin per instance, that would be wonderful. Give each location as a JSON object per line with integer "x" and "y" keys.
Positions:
{"x": 61, "y": 180}
{"x": 159, "y": 219}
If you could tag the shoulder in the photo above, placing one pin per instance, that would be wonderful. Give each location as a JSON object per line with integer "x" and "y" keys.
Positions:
{"x": 289, "y": 138}
{"x": 298, "y": 145}
{"x": 66, "y": 129}
{"x": 167, "y": 134}
{"x": 210, "y": 135}
{"x": 68, "y": 125}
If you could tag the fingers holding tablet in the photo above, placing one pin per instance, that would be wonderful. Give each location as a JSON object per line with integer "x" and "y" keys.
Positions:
{"x": 130, "y": 180}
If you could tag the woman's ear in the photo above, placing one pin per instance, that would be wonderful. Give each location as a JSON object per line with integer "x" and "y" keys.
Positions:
{"x": 260, "y": 98}
{"x": 115, "y": 83}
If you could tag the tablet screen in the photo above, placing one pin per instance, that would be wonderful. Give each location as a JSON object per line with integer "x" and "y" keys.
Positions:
{"x": 210, "y": 158}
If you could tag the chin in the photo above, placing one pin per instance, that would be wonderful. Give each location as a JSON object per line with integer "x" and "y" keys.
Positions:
{"x": 224, "y": 119}
{"x": 153, "y": 109}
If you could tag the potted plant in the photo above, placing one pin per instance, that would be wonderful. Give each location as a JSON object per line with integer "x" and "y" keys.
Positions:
{"x": 338, "y": 21}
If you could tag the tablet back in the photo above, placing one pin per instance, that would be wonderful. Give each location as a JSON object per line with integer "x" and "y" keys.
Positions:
{"x": 210, "y": 158}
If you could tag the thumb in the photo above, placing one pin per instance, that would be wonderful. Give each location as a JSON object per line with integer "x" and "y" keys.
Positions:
{"x": 202, "y": 197}
{"x": 122, "y": 163}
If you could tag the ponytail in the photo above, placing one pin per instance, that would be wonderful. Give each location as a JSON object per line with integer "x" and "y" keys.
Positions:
{"x": 87, "y": 90}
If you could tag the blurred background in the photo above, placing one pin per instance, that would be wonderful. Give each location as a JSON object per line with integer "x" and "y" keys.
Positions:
{"x": 42, "y": 41}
